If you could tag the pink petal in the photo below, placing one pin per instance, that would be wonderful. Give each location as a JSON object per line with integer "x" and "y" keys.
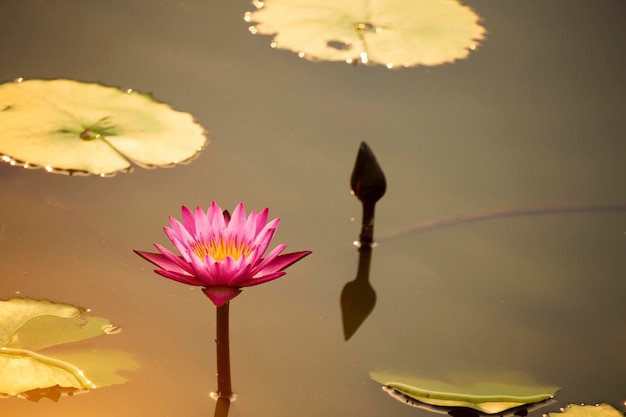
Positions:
{"x": 189, "y": 221}
{"x": 261, "y": 242}
{"x": 203, "y": 228}
{"x": 222, "y": 272}
{"x": 219, "y": 274}
{"x": 242, "y": 272}
{"x": 250, "y": 229}
{"x": 184, "y": 278}
{"x": 255, "y": 256}
{"x": 181, "y": 261}
{"x": 170, "y": 268}
{"x": 220, "y": 295}
{"x": 267, "y": 232}
{"x": 261, "y": 219}
{"x": 281, "y": 262}
{"x": 160, "y": 260}
{"x": 237, "y": 222}
{"x": 179, "y": 236}
{"x": 262, "y": 279}
{"x": 269, "y": 258}
{"x": 215, "y": 218}
{"x": 205, "y": 270}
{"x": 264, "y": 238}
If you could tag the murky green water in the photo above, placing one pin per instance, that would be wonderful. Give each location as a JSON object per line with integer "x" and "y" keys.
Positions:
{"x": 535, "y": 117}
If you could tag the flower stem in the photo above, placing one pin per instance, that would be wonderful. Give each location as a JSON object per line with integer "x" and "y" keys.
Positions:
{"x": 366, "y": 238}
{"x": 223, "y": 352}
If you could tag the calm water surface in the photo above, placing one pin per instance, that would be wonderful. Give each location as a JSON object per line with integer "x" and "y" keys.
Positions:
{"x": 535, "y": 117}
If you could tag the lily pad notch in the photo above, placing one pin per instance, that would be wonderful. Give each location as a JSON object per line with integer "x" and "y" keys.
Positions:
{"x": 76, "y": 128}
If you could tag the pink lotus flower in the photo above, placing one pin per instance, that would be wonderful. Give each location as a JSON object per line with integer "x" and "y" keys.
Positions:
{"x": 221, "y": 253}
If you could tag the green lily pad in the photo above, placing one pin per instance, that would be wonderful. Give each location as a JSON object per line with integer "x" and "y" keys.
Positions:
{"x": 36, "y": 354}
{"x": 396, "y": 33}
{"x": 599, "y": 410}
{"x": 72, "y": 127}
{"x": 488, "y": 398}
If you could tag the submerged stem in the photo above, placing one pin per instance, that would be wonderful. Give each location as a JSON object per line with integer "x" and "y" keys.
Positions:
{"x": 221, "y": 407}
{"x": 497, "y": 214}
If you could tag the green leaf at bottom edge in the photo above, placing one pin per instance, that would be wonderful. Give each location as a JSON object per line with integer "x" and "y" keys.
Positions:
{"x": 598, "y": 410}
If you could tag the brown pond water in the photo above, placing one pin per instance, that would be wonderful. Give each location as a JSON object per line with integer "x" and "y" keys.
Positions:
{"x": 535, "y": 117}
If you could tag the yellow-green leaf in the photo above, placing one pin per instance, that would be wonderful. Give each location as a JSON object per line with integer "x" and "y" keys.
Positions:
{"x": 37, "y": 356}
{"x": 488, "y": 398}
{"x": 599, "y": 410}
{"x": 394, "y": 33}
{"x": 16, "y": 312}
{"x": 86, "y": 128}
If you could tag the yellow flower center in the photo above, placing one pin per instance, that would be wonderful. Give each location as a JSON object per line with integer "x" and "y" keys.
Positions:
{"x": 219, "y": 249}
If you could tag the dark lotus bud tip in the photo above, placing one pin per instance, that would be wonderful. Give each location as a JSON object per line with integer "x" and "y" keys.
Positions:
{"x": 368, "y": 180}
